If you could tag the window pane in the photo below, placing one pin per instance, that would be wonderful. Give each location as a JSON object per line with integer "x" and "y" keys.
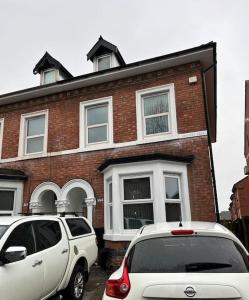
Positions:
{"x": 156, "y": 104}
{"x": 201, "y": 254}
{"x": 157, "y": 124}
{"x": 172, "y": 188}
{"x": 110, "y": 216}
{"x": 97, "y": 134}
{"x": 110, "y": 192}
{"x": 48, "y": 234}
{"x": 22, "y": 236}
{"x": 49, "y": 76}
{"x": 97, "y": 115}
{"x": 104, "y": 63}
{"x": 137, "y": 188}
{"x": 173, "y": 212}
{"x": 137, "y": 215}
{"x": 78, "y": 226}
{"x": 35, "y": 125}
{"x": 35, "y": 145}
{"x": 7, "y": 200}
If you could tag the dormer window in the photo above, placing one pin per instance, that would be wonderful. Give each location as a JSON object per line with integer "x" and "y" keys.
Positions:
{"x": 105, "y": 55}
{"x": 51, "y": 70}
{"x": 49, "y": 76}
{"x": 103, "y": 62}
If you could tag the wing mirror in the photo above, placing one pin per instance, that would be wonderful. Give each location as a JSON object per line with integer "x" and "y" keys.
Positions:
{"x": 15, "y": 253}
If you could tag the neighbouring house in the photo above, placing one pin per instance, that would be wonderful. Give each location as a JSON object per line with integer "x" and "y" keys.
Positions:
{"x": 127, "y": 145}
{"x": 239, "y": 206}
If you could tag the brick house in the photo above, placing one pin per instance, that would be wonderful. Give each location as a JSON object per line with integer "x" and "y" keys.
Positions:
{"x": 239, "y": 206}
{"x": 126, "y": 145}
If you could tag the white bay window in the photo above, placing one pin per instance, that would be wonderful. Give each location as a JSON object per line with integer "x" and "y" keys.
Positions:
{"x": 144, "y": 193}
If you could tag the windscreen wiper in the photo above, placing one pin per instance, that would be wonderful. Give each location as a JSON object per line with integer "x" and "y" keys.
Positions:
{"x": 201, "y": 266}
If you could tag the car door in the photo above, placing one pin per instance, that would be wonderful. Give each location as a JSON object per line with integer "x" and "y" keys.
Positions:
{"x": 22, "y": 280}
{"x": 52, "y": 243}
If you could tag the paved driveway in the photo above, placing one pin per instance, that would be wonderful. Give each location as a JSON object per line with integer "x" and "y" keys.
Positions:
{"x": 96, "y": 285}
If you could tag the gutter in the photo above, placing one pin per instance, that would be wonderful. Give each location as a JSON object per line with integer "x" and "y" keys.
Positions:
{"x": 214, "y": 67}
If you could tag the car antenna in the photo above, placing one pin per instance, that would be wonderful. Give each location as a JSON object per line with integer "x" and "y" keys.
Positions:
{"x": 180, "y": 224}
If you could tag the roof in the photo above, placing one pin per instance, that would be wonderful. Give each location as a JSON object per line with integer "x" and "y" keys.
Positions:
{"x": 147, "y": 157}
{"x": 102, "y": 47}
{"x": 205, "y": 54}
{"x": 167, "y": 227}
{"x": 12, "y": 174}
{"x": 47, "y": 61}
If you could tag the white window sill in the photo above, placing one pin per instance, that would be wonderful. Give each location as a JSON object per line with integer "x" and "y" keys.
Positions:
{"x": 119, "y": 237}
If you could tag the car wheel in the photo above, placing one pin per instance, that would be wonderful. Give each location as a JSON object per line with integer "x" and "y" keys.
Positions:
{"x": 76, "y": 285}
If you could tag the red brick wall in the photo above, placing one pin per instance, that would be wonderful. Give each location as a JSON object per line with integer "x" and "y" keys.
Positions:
{"x": 64, "y": 109}
{"x": 64, "y": 134}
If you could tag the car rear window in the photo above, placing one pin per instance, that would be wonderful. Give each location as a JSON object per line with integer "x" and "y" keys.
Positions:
{"x": 78, "y": 226}
{"x": 187, "y": 254}
{"x": 3, "y": 228}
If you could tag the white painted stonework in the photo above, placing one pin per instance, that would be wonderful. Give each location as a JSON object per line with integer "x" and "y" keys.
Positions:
{"x": 70, "y": 198}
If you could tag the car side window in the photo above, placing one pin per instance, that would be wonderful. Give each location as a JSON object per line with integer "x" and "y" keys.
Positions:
{"x": 78, "y": 226}
{"x": 48, "y": 234}
{"x": 22, "y": 235}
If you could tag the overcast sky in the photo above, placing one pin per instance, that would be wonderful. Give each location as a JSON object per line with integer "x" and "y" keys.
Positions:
{"x": 141, "y": 29}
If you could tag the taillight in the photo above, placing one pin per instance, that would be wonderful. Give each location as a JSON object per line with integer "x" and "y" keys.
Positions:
{"x": 119, "y": 288}
{"x": 182, "y": 232}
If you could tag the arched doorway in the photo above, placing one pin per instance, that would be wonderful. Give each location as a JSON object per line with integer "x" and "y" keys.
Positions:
{"x": 78, "y": 196}
{"x": 44, "y": 198}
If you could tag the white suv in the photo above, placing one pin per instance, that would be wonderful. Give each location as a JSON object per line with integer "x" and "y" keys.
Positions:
{"x": 196, "y": 260}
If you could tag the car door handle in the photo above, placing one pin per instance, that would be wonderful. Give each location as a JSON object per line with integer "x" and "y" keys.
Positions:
{"x": 64, "y": 251}
{"x": 37, "y": 263}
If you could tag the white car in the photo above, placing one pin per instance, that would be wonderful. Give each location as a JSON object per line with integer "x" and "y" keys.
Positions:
{"x": 41, "y": 256}
{"x": 199, "y": 260}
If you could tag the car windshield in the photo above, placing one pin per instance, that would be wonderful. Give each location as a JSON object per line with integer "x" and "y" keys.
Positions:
{"x": 3, "y": 228}
{"x": 187, "y": 254}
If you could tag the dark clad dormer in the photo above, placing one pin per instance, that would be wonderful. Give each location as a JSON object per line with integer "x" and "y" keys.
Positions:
{"x": 51, "y": 70}
{"x": 105, "y": 55}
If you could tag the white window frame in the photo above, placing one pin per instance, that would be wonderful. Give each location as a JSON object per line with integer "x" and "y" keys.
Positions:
{"x": 23, "y": 134}
{"x": 172, "y": 121}
{"x": 46, "y": 71}
{"x": 136, "y": 201}
{"x": 180, "y": 200}
{"x": 96, "y": 61}
{"x": 1, "y": 136}
{"x": 83, "y": 124}
{"x": 17, "y": 187}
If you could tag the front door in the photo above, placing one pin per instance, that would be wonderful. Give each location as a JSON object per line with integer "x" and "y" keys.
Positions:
{"x": 22, "y": 280}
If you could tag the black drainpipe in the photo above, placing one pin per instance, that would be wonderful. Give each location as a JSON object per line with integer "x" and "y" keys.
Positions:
{"x": 209, "y": 139}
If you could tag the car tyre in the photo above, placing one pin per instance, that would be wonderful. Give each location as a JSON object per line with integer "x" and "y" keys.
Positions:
{"x": 76, "y": 285}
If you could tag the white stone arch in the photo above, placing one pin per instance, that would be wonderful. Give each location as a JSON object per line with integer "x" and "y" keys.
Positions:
{"x": 37, "y": 201}
{"x": 83, "y": 185}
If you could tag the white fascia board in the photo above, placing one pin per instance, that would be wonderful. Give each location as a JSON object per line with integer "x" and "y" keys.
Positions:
{"x": 205, "y": 56}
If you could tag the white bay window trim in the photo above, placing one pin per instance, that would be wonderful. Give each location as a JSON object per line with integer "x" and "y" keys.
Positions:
{"x": 1, "y": 136}
{"x": 23, "y": 138}
{"x": 84, "y": 106}
{"x": 141, "y": 118}
{"x": 156, "y": 170}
